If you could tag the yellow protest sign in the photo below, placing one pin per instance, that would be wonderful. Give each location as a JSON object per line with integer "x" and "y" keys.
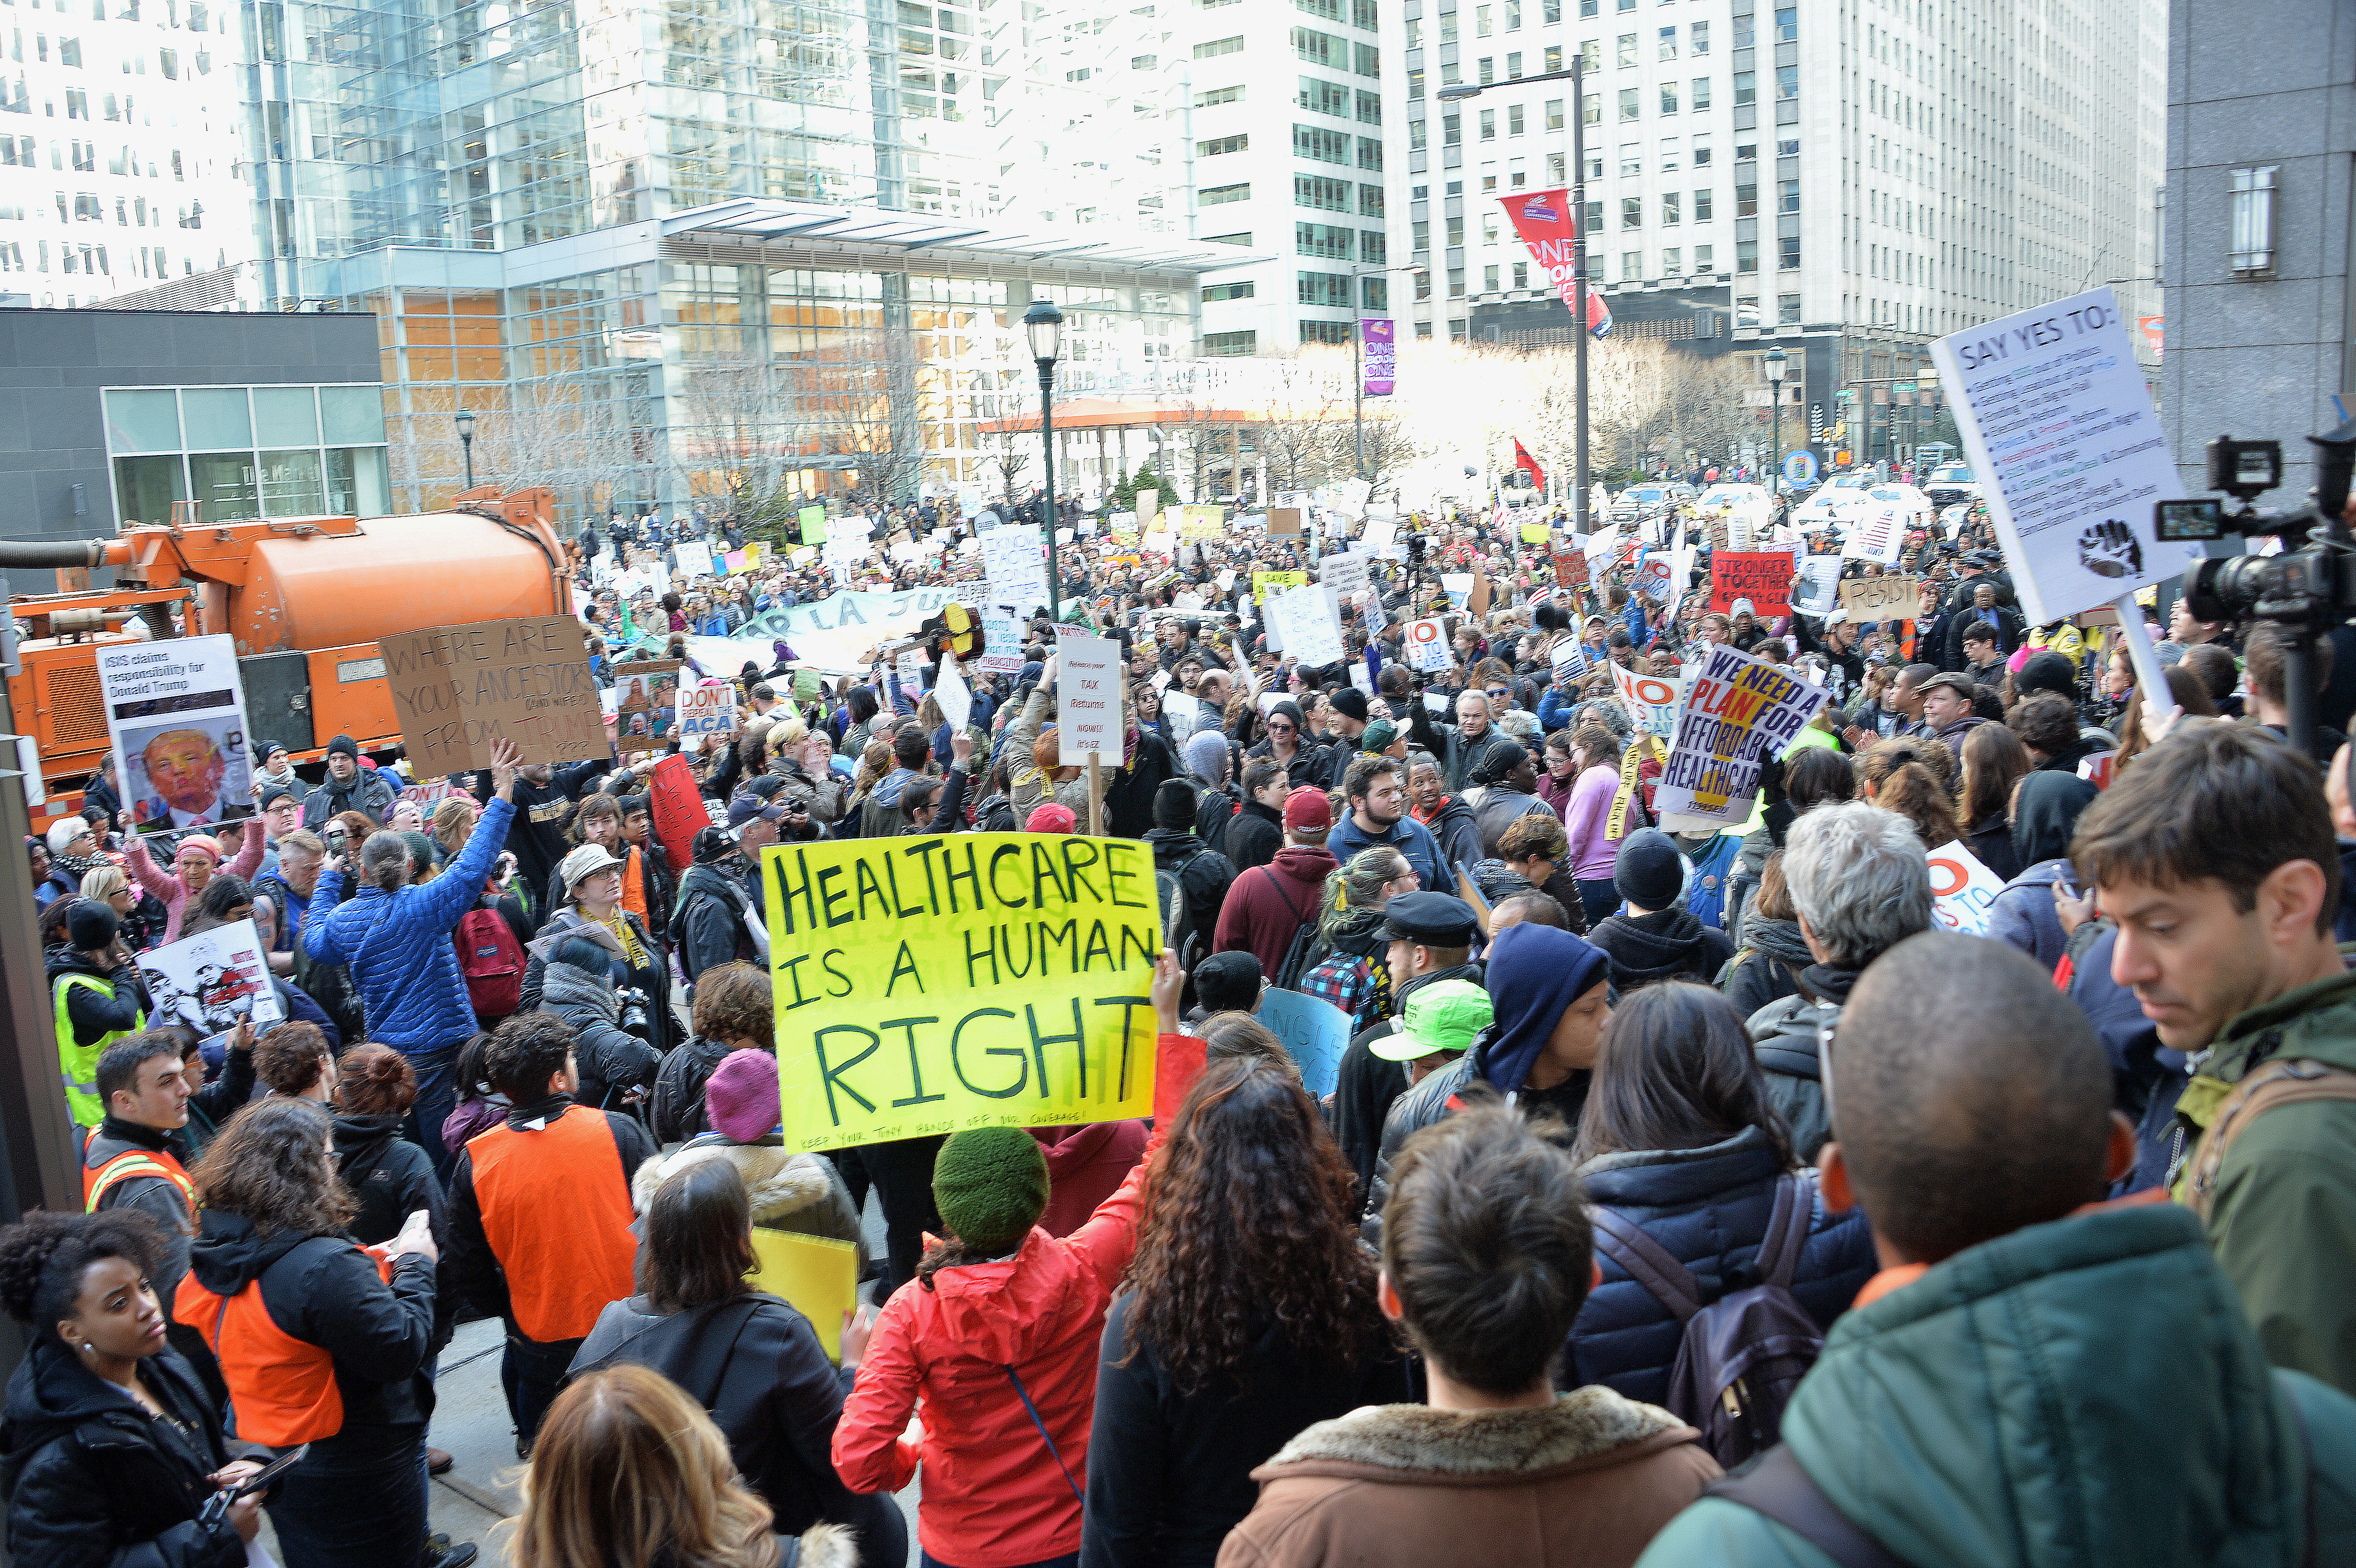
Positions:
{"x": 927, "y": 985}
{"x": 817, "y": 1274}
{"x": 1280, "y": 580}
{"x": 1202, "y": 522}
{"x": 1534, "y": 533}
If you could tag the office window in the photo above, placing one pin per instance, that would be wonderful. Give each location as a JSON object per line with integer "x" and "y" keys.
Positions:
{"x": 1672, "y": 206}
{"x": 2251, "y": 249}
{"x": 1450, "y": 73}
{"x": 1632, "y": 212}
{"x": 1488, "y": 76}
{"x": 1631, "y": 159}
{"x": 1448, "y": 26}
{"x": 1226, "y": 344}
{"x": 1668, "y": 98}
{"x": 1218, "y": 47}
{"x": 1702, "y": 207}
{"x": 1316, "y": 47}
{"x": 1553, "y": 168}
{"x": 1746, "y": 257}
{"x": 1414, "y": 85}
{"x": 1489, "y": 279}
{"x": 1414, "y": 33}
{"x": 1370, "y": 152}
{"x": 1554, "y": 114}
{"x": 1318, "y": 142}
{"x": 1671, "y": 152}
{"x": 1328, "y": 289}
{"x": 1372, "y": 246}
{"x": 1590, "y": 108}
{"x": 1417, "y": 134}
{"x": 1697, "y": 38}
{"x": 1631, "y": 266}
{"x": 1701, "y": 92}
{"x": 1595, "y": 165}
{"x": 1787, "y": 196}
{"x": 1521, "y": 274}
{"x": 1701, "y": 151}
{"x": 1668, "y": 43}
{"x": 1220, "y": 194}
{"x": 1673, "y": 261}
{"x": 1554, "y": 58}
{"x": 1514, "y": 119}
{"x": 1421, "y": 235}
{"x": 1787, "y": 310}
{"x": 1370, "y": 108}
{"x": 1520, "y": 176}
{"x": 1218, "y": 96}
{"x": 1481, "y": 18}
{"x": 1218, "y": 144}
{"x": 1590, "y": 55}
{"x": 1488, "y": 125}
{"x": 1746, "y": 312}
{"x": 1629, "y": 108}
{"x": 1513, "y": 66}
{"x": 1212, "y": 293}
{"x": 1423, "y": 292}
{"x": 1455, "y": 283}
{"x": 1451, "y": 130}
{"x": 1370, "y": 201}
{"x": 1455, "y": 232}
{"x": 1787, "y": 24}
{"x": 1705, "y": 258}
{"x": 1365, "y": 59}
{"x": 1627, "y": 50}
{"x": 1328, "y": 240}
{"x": 1489, "y": 227}
{"x": 1329, "y": 195}
{"x": 1746, "y": 88}
{"x": 1787, "y": 82}
{"x": 1321, "y": 97}
{"x": 1595, "y": 218}
{"x": 1746, "y": 200}
{"x": 1789, "y": 260}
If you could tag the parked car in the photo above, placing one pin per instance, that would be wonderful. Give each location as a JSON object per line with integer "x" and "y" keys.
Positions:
{"x": 1952, "y": 484}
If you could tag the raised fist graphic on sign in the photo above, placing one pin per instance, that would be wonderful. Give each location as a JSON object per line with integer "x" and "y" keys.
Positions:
{"x": 2109, "y": 548}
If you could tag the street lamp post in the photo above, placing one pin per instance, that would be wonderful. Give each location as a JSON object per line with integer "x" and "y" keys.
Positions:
{"x": 1045, "y": 325}
{"x": 1776, "y": 361}
{"x": 466, "y": 422}
{"x": 1575, "y": 76}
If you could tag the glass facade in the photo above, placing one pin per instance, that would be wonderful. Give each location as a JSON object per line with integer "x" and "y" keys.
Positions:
{"x": 247, "y": 452}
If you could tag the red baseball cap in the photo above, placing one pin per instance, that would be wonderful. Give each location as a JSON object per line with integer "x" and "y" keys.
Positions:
{"x": 1307, "y": 808}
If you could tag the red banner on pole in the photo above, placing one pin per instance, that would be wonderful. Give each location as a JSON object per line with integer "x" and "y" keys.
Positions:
{"x": 1528, "y": 464}
{"x": 1549, "y": 231}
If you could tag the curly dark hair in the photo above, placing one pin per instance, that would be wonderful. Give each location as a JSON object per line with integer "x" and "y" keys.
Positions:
{"x": 287, "y": 1058}
{"x": 1248, "y": 1222}
{"x": 270, "y": 1164}
{"x": 42, "y": 1259}
{"x": 525, "y": 1052}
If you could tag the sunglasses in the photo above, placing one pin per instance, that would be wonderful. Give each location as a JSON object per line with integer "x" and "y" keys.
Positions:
{"x": 1280, "y": 727}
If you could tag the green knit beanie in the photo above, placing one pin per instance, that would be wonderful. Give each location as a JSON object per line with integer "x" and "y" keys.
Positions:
{"x": 990, "y": 1187}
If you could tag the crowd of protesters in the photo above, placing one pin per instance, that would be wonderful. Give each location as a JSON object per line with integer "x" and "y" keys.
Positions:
{"x": 1715, "y": 1196}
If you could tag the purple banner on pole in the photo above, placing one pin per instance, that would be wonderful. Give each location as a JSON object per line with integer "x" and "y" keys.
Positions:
{"x": 1381, "y": 355}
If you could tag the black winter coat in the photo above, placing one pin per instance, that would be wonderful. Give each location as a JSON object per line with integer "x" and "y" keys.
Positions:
{"x": 391, "y": 1178}
{"x": 676, "y": 1113}
{"x": 1170, "y": 1472}
{"x": 1255, "y": 835}
{"x": 709, "y": 927}
{"x": 94, "y": 1481}
{"x": 1129, "y": 792}
{"x": 1708, "y": 1207}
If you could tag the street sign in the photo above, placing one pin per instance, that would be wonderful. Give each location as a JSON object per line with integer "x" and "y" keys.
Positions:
{"x": 1800, "y": 467}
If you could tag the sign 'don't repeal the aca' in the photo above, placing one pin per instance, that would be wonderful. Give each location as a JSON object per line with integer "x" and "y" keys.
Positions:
{"x": 930, "y": 984}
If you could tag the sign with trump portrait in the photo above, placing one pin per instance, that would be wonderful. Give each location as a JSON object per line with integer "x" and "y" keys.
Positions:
{"x": 175, "y": 713}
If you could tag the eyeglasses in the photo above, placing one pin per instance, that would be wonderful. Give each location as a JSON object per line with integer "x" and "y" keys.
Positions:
{"x": 1500, "y": 691}
{"x": 1280, "y": 727}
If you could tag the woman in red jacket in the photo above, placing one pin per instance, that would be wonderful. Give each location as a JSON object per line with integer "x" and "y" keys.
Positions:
{"x": 998, "y": 1335}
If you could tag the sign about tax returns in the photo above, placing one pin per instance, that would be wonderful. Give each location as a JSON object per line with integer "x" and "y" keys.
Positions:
{"x": 929, "y": 984}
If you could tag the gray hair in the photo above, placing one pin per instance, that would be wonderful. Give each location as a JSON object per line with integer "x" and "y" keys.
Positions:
{"x": 384, "y": 860}
{"x": 1860, "y": 876}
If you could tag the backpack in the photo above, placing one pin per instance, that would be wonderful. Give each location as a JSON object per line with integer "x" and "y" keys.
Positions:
{"x": 492, "y": 960}
{"x": 1179, "y": 932}
{"x": 1301, "y": 953}
{"x": 1744, "y": 1353}
{"x": 2289, "y": 1082}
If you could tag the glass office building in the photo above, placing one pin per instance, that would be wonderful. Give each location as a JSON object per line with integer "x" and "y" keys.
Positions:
{"x": 665, "y": 252}
{"x": 246, "y": 452}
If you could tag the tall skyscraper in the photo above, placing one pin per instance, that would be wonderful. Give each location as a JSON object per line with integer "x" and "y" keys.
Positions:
{"x": 670, "y": 251}
{"x": 1850, "y": 178}
{"x": 119, "y": 125}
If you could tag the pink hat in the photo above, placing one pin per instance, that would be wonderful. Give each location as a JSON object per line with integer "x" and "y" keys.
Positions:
{"x": 2021, "y": 656}
{"x": 740, "y": 1098}
{"x": 205, "y": 841}
{"x": 1051, "y": 817}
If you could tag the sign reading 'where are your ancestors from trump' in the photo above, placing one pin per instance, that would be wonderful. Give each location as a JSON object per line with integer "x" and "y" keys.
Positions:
{"x": 929, "y": 984}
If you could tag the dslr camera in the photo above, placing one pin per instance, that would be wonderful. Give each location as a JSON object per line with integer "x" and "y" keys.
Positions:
{"x": 630, "y": 1007}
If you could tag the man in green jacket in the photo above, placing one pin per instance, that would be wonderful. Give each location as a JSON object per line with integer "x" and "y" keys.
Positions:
{"x": 2037, "y": 1379}
{"x": 2214, "y": 853}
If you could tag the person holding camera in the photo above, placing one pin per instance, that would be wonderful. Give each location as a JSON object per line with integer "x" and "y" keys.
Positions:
{"x": 617, "y": 1065}
{"x": 594, "y": 913}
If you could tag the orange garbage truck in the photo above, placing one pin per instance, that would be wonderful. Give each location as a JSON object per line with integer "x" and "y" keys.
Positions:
{"x": 306, "y": 599}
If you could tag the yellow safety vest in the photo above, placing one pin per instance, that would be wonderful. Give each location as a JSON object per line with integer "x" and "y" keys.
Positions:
{"x": 79, "y": 1062}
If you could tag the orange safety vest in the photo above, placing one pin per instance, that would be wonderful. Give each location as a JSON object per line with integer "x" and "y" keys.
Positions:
{"x": 97, "y": 1183}
{"x": 556, "y": 1210}
{"x": 282, "y": 1389}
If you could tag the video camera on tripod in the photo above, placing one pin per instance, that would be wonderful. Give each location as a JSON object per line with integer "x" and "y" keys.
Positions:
{"x": 2307, "y": 588}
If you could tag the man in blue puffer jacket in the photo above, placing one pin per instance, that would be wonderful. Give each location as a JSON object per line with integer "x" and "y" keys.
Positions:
{"x": 396, "y": 939}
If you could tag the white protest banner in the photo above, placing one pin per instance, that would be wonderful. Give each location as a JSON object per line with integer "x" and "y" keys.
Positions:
{"x": 1181, "y": 708}
{"x": 1306, "y": 622}
{"x": 1340, "y": 576}
{"x": 706, "y": 711}
{"x": 911, "y": 668}
{"x": 1377, "y": 532}
{"x": 1820, "y": 594}
{"x": 1088, "y": 699}
{"x": 1736, "y": 709}
{"x": 1459, "y": 585}
{"x": 2060, "y": 428}
{"x": 1569, "y": 660}
{"x": 1002, "y": 642}
{"x": 175, "y": 712}
{"x": 1651, "y": 700}
{"x": 1601, "y": 548}
{"x": 1876, "y": 536}
{"x": 1962, "y": 890}
{"x": 693, "y": 557}
{"x": 211, "y": 981}
{"x": 1427, "y": 646}
{"x": 1016, "y": 564}
{"x": 951, "y": 691}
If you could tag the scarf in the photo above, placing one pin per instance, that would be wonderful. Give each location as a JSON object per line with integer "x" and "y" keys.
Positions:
{"x": 77, "y": 866}
{"x": 633, "y": 951}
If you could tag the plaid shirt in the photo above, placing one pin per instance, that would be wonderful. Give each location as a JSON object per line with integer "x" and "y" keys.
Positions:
{"x": 1359, "y": 987}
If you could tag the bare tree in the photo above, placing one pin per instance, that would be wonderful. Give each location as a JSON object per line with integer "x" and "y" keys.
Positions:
{"x": 858, "y": 398}
{"x": 1306, "y": 404}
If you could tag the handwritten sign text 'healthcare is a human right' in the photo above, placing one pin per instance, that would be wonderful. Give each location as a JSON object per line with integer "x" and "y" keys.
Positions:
{"x": 929, "y": 984}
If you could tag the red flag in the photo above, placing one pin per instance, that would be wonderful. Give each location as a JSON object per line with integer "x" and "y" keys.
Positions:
{"x": 1528, "y": 464}
{"x": 1549, "y": 230}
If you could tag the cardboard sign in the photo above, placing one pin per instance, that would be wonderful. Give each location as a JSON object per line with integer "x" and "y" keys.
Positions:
{"x": 1001, "y": 643}
{"x": 1652, "y": 700}
{"x": 646, "y": 704}
{"x": 175, "y": 714}
{"x": 930, "y": 984}
{"x": 1962, "y": 890}
{"x": 1881, "y": 598}
{"x": 1736, "y": 707}
{"x": 1202, "y": 523}
{"x": 1427, "y": 646}
{"x": 1764, "y": 577}
{"x": 1875, "y": 534}
{"x": 1534, "y": 533}
{"x": 459, "y": 689}
{"x": 1569, "y": 660}
{"x": 950, "y": 693}
{"x": 706, "y": 711}
{"x": 1148, "y": 503}
{"x": 813, "y": 522}
{"x": 1570, "y": 567}
{"x": 2059, "y": 426}
{"x": 817, "y": 1274}
{"x": 1088, "y": 699}
{"x": 211, "y": 981}
{"x": 1283, "y": 520}
{"x": 692, "y": 557}
{"x": 1315, "y": 1030}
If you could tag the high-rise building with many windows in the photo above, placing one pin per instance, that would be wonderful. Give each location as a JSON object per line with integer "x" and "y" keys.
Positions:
{"x": 119, "y": 125}
{"x": 668, "y": 251}
{"x": 1853, "y": 177}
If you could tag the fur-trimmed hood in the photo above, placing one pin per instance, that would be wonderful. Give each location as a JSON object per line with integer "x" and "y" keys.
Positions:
{"x": 1407, "y": 1444}
{"x": 782, "y": 1184}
